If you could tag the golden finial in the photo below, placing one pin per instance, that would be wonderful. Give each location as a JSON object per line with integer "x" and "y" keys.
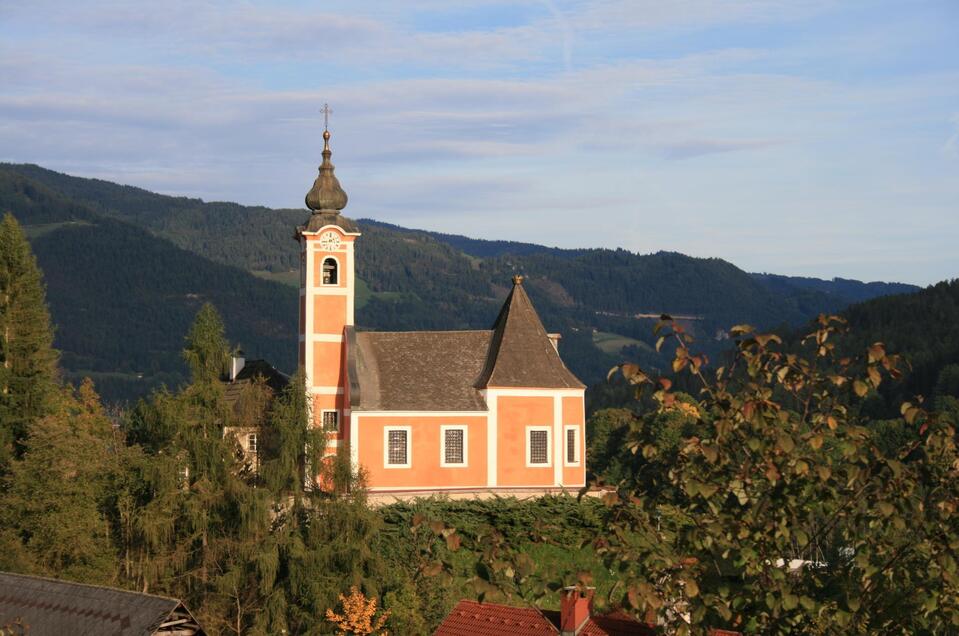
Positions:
{"x": 518, "y": 279}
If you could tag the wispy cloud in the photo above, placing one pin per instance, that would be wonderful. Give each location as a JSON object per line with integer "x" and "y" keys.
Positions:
{"x": 762, "y": 116}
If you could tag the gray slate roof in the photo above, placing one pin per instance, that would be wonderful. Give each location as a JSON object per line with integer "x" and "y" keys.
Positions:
{"x": 520, "y": 353}
{"x": 446, "y": 370}
{"x": 48, "y": 606}
{"x": 418, "y": 370}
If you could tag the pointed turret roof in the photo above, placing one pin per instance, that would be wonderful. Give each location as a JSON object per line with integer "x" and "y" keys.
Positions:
{"x": 520, "y": 352}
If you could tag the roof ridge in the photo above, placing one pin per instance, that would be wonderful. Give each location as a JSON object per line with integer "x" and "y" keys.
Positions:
{"x": 88, "y": 585}
{"x": 429, "y": 331}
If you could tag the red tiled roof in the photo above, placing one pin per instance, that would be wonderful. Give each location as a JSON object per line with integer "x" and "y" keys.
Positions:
{"x": 613, "y": 624}
{"x": 616, "y": 624}
{"x": 470, "y": 618}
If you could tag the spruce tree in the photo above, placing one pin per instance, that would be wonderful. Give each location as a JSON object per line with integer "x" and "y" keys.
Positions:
{"x": 59, "y": 495}
{"x": 198, "y": 523}
{"x": 28, "y": 363}
{"x": 325, "y": 536}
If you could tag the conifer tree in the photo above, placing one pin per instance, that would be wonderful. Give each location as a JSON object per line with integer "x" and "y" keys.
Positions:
{"x": 27, "y": 359}
{"x": 59, "y": 494}
{"x": 325, "y": 537}
{"x": 199, "y": 525}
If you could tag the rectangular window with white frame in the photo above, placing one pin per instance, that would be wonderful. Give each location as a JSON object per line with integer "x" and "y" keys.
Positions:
{"x": 396, "y": 447}
{"x": 454, "y": 452}
{"x": 539, "y": 447}
{"x": 331, "y": 421}
{"x": 572, "y": 450}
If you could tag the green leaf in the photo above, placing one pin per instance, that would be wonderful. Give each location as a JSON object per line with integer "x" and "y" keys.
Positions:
{"x": 709, "y": 452}
{"x": 785, "y": 443}
{"x": 860, "y": 388}
{"x": 816, "y": 441}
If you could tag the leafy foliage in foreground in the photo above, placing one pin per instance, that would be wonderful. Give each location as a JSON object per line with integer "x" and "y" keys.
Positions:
{"x": 777, "y": 507}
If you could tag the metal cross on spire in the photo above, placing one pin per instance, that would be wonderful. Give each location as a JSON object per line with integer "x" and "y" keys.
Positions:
{"x": 327, "y": 111}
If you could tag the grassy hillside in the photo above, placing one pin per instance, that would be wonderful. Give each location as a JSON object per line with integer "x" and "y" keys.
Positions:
{"x": 409, "y": 279}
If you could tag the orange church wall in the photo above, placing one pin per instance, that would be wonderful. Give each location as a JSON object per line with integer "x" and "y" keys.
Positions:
{"x": 329, "y": 314}
{"x": 573, "y": 414}
{"x": 425, "y": 470}
{"x": 327, "y": 370}
{"x": 323, "y": 402}
{"x": 513, "y": 415}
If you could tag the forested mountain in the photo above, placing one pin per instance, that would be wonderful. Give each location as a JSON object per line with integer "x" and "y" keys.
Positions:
{"x": 127, "y": 268}
{"x": 122, "y": 298}
{"x": 924, "y": 328}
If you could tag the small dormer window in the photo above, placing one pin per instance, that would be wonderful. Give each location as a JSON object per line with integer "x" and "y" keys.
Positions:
{"x": 330, "y": 274}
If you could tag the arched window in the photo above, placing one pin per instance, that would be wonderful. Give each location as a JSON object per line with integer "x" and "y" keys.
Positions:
{"x": 330, "y": 271}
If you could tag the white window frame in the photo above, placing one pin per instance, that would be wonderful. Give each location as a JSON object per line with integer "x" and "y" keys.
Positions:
{"x": 323, "y": 257}
{"x": 323, "y": 412}
{"x": 386, "y": 446}
{"x": 466, "y": 454}
{"x": 577, "y": 447}
{"x": 549, "y": 446}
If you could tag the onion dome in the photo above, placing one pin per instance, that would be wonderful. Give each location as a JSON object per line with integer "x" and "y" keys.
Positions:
{"x": 326, "y": 196}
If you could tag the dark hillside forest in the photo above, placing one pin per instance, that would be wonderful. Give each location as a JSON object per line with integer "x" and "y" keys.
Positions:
{"x": 924, "y": 327}
{"x": 123, "y": 298}
{"x": 126, "y": 268}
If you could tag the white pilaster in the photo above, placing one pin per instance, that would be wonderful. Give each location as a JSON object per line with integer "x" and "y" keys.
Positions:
{"x": 308, "y": 313}
{"x": 558, "y": 440}
{"x": 491, "y": 440}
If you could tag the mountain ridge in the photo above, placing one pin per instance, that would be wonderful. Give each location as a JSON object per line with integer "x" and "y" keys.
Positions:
{"x": 407, "y": 278}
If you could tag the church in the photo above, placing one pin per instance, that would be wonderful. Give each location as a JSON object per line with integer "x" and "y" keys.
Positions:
{"x": 463, "y": 413}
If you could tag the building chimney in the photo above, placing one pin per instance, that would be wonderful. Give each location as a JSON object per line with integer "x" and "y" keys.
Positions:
{"x": 237, "y": 362}
{"x": 554, "y": 338}
{"x": 575, "y": 609}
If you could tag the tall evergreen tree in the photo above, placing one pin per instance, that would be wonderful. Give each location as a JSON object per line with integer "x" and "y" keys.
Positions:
{"x": 199, "y": 522}
{"x": 58, "y": 498}
{"x": 28, "y": 363}
{"x": 325, "y": 536}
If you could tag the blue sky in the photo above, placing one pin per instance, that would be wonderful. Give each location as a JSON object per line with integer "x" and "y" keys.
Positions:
{"x": 800, "y": 137}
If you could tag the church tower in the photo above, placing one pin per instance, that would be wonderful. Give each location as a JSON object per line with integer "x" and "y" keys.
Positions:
{"x": 327, "y": 289}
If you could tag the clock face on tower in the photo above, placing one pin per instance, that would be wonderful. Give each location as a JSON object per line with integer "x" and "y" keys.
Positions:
{"x": 330, "y": 241}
